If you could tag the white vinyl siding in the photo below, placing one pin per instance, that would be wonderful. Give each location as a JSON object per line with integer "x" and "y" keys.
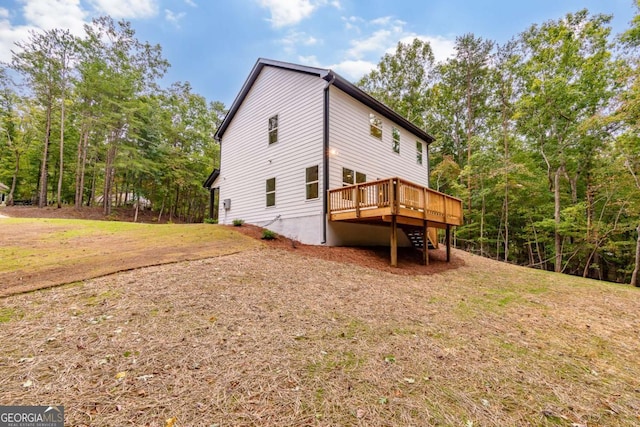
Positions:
{"x": 247, "y": 161}
{"x": 354, "y": 149}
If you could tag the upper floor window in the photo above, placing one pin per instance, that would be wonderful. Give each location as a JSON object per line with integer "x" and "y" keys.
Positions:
{"x": 273, "y": 129}
{"x": 271, "y": 192}
{"x": 419, "y": 150}
{"x": 375, "y": 126}
{"x": 312, "y": 182}
{"x": 396, "y": 140}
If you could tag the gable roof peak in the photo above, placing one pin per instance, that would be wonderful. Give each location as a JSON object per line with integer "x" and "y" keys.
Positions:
{"x": 332, "y": 78}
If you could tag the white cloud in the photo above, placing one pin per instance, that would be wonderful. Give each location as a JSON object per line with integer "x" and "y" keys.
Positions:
{"x": 442, "y": 47}
{"x": 381, "y": 21}
{"x": 295, "y": 39}
{"x": 48, "y": 14}
{"x": 311, "y": 61}
{"x": 174, "y": 18}
{"x": 376, "y": 42}
{"x": 352, "y": 22}
{"x": 127, "y": 8}
{"x": 353, "y": 69}
{"x": 286, "y": 13}
{"x": 64, "y": 14}
{"x": 379, "y": 36}
{"x": 191, "y": 3}
{"x": 39, "y": 15}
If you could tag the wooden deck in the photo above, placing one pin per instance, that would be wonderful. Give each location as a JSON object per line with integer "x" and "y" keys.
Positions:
{"x": 396, "y": 202}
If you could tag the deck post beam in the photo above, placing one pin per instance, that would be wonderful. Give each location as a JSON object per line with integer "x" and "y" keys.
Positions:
{"x": 448, "y": 239}
{"x": 425, "y": 243}
{"x": 394, "y": 241}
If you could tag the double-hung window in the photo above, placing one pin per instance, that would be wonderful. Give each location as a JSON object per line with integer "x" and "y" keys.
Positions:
{"x": 271, "y": 192}
{"x": 311, "y": 181}
{"x": 375, "y": 126}
{"x": 419, "y": 149}
{"x": 396, "y": 140}
{"x": 273, "y": 129}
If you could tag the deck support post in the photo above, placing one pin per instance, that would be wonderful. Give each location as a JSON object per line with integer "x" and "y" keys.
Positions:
{"x": 425, "y": 243}
{"x": 448, "y": 239}
{"x": 394, "y": 241}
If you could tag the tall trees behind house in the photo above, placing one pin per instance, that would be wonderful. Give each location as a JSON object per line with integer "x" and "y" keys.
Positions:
{"x": 122, "y": 138}
{"x": 540, "y": 136}
{"x": 628, "y": 145}
{"x": 540, "y": 139}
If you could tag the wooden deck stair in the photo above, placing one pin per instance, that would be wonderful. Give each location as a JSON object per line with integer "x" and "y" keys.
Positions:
{"x": 416, "y": 237}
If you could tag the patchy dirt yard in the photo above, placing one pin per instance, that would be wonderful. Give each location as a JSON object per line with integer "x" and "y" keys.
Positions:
{"x": 269, "y": 337}
{"x": 40, "y": 253}
{"x": 50, "y": 251}
{"x": 281, "y": 335}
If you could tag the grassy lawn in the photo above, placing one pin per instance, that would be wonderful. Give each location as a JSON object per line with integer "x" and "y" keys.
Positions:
{"x": 267, "y": 337}
{"x": 38, "y": 253}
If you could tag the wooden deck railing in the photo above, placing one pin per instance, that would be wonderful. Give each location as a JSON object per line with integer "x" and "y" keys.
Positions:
{"x": 394, "y": 196}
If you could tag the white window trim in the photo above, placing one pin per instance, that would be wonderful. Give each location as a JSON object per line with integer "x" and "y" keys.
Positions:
{"x": 266, "y": 196}
{"x": 306, "y": 183}
{"x": 395, "y": 130}
{"x": 277, "y": 129}
{"x": 372, "y": 118}
{"x": 420, "y": 158}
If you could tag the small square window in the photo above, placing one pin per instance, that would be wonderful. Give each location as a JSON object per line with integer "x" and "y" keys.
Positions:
{"x": 271, "y": 192}
{"x": 273, "y": 129}
{"x": 375, "y": 126}
{"x": 396, "y": 140}
{"x": 312, "y": 182}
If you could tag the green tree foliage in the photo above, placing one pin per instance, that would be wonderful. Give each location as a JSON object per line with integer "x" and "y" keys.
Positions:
{"x": 123, "y": 140}
{"x": 628, "y": 114}
{"x": 540, "y": 138}
{"x": 401, "y": 79}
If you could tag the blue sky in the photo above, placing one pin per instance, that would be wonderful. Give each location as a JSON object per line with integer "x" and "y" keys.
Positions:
{"x": 214, "y": 43}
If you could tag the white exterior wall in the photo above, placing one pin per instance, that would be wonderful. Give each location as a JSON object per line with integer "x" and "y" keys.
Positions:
{"x": 248, "y": 160}
{"x": 354, "y": 148}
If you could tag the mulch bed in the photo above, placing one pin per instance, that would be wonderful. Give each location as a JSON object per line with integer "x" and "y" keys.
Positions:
{"x": 377, "y": 257}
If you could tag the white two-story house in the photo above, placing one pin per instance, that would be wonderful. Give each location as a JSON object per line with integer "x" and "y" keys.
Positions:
{"x": 309, "y": 155}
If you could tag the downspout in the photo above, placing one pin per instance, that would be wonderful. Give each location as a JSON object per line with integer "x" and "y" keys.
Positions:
{"x": 325, "y": 159}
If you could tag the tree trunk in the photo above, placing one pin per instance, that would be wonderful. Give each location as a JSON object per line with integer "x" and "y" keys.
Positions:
{"x": 482, "y": 226}
{"x": 92, "y": 196}
{"x": 60, "y": 174}
{"x": 505, "y": 130}
{"x": 44, "y": 168}
{"x": 591, "y": 238}
{"x": 636, "y": 270}
{"x": 14, "y": 180}
{"x": 556, "y": 217}
{"x": 81, "y": 166}
{"x": 109, "y": 173}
